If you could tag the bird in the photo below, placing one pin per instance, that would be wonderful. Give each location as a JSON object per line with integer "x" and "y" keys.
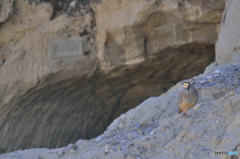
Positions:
{"x": 188, "y": 97}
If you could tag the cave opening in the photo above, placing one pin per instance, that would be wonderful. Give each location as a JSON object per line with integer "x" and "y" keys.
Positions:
{"x": 82, "y": 108}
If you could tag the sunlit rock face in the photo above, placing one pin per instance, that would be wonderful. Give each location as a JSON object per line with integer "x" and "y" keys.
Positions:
{"x": 67, "y": 76}
{"x": 132, "y": 31}
{"x": 228, "y": 44}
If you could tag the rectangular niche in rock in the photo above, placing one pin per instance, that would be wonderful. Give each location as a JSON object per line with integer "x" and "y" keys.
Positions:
{"x": 66, "y": 48}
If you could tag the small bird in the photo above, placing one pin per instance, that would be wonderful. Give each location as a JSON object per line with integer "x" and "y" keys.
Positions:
{"x": 188, "y": 97}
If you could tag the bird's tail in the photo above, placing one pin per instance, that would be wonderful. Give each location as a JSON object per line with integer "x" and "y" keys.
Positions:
{"x": 179, "y": 111}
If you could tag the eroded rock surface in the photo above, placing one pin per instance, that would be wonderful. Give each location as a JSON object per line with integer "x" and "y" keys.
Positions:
{"x": 6, "y": 9}
{"x": 131, "y": 31}
{"x": 50, "y": 98}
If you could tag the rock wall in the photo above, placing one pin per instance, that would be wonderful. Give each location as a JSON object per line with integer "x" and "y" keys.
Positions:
{"x": 68, "y": 72}
{"x": 228, "y": 45}
{"x": 131, "y": 31}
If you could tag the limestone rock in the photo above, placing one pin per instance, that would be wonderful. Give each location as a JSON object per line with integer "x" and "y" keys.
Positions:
{"x": 228, "y": 46}
{"x": 6, "y": 9}
{"x": 26, "y": 61}
{"x": 131, "y": 31}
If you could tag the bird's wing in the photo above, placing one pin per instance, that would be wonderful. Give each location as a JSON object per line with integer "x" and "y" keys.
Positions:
{"x": 195, "y": 93}
{"x": 180, "y": 99}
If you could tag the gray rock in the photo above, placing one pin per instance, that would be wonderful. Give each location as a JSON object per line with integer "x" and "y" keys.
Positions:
{"x": 217, "y": 72}
{"x": 203, "y": 81}
{"x": 152, "y": 132}
{"x": 72, "y": 152}
{"x": 98, "y": 139}
{"x": 217, "y": 75}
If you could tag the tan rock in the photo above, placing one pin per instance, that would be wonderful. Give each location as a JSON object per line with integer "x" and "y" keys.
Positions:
{"x": 6, "y": 10}
{"x": 25, "y": 60}
{"x": 231, "y": 93}
{"x": 134, "y": 29}
{"x": 229, "y": 50}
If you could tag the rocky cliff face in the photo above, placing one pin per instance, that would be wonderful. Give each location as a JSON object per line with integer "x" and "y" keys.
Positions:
{"x": 228, "y": 48}
{"x": 133, "y": 31}
{"x": 69, "y": 69}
